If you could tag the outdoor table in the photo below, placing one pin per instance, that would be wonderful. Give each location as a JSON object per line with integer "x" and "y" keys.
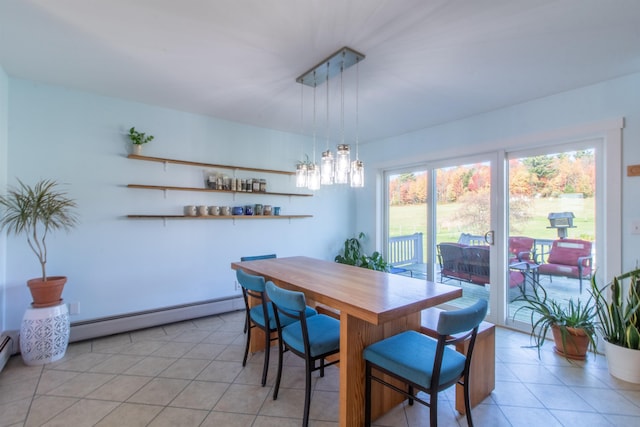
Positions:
{"x": 373, "y": 305}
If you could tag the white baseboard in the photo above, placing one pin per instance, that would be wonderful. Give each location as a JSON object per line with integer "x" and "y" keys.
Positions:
{"x": 94, "y": 328}
{"x": 8, "y": 347}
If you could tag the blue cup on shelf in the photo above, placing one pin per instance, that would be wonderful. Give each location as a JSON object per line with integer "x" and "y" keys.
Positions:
{"x": 248, "y": 210}
{"x": 237, "y": 210}
{"x": 276, "y": 210}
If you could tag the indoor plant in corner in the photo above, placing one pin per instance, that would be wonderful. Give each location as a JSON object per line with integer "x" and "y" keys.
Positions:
{"x": 138, "y": 139}
{"x": 36, "y": 211}
{"x": 619, "y": 323}
{"x": 573, "y": 324}
{"x": 352, "y": 255}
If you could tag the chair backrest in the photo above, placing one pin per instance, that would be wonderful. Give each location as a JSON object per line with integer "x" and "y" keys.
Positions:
{"x": 289, "y": 303}
{"x": 567, "y": 251}
{"x": 257, "y": 257}
{"x": 521, "y": 247}
{"x": 463, "y": 320}
{"x": 450, "y": 256}
{"x": 250, "y": 282}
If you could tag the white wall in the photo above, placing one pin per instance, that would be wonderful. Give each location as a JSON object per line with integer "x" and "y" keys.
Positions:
{"x": 4, "y": 99}
{"x": 504, "y": 128}
{"x": 117, "y": 265}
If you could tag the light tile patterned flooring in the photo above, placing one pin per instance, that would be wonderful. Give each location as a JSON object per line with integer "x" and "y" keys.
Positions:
{"x": 190, "y": 374}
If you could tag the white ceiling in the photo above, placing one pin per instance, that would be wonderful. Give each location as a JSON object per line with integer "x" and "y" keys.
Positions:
{"x": 427, "y": 61}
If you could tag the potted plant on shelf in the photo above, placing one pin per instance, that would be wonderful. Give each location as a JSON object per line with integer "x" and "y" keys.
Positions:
{"x": 36, "y": 211}
{"x": 619, "y": 323}
{"x": 138, "y": 139}
{"x": 573, "y": 324}
{"x": 352, "y": 255}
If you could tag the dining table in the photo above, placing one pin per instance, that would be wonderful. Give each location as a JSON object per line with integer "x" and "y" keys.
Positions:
{"x": 371, "y": 305}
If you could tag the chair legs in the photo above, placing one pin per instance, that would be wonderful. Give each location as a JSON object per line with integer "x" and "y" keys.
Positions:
{"x": 367, "y": 395}
{"x": 467, "y": 403}
{"x": 267, "y": 346}
{"x": 307, "y": 392}
{"x": 246, "y": 349}
{"x": 267, "y": 351}
{"x": 276, "y": 388}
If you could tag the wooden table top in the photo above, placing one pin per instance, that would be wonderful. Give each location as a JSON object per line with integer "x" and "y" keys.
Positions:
{"x": 374, "y": 296}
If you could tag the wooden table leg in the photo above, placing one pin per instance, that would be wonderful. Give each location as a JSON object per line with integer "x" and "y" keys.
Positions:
{"x": 355, "y": 335}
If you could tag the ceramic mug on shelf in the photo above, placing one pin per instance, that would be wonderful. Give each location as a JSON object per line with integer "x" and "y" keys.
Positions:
{"x": 214, "y": 210}
{"x": 259, "y": 209}
{"x": 238, "y": 210}
{"x": 248, "y": 210}
{"x": 225, "y": 210}
{"x": 202, "y": 210}
{"x": 276, "y": 210}
{"x": 267, "y": 210}
{"x": 190, "y": 210}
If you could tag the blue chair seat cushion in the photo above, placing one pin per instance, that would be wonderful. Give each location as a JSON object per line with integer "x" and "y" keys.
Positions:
{"x": 257, "y": 315}
{"x": 410, "y": 355}
{"x": 324, "y": 335}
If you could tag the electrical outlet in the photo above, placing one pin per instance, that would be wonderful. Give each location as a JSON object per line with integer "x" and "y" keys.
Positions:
{"x": 74, "y": 308}
{"x": 635, "y": 226}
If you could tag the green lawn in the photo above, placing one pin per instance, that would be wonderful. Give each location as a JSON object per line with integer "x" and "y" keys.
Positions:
{"x": 411, "y": 219}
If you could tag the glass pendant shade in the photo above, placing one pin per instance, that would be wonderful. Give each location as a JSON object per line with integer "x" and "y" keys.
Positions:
{"x": 343, "y": 162}
{"x": 327, "y": 168}
{"x": 357, "y": 173}
{"x": 301, "y": 175}
{"x": 313, "y": 177}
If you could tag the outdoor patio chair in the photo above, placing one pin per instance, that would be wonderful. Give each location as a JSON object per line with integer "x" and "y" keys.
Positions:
{"x": 521, "y": 249}
{"x": 569, "y": 258}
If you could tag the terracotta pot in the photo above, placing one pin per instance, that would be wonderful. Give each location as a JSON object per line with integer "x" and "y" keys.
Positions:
{"x": 576, "y": 343}
{"x": 46, "y": 294}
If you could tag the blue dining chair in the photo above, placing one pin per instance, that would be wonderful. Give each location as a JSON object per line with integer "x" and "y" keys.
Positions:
{"x": 261, "y": 315}
{"x": 426, "y": 364}
{"x": 257, "y": 257}
{"x": 311, "y": 338}
{"x": 254, "y": 258}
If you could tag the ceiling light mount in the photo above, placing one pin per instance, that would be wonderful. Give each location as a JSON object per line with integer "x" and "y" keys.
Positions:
{"x": 330, "y": 66}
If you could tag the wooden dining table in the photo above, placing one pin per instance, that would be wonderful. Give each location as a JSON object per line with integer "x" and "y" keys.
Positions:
{"x": 372, "y": 305}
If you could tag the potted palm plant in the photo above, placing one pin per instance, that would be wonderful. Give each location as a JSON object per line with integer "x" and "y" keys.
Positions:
{"x": 573, "y": 324}
{"x": 619, "y": 323}
{"x": 36, "y": 211}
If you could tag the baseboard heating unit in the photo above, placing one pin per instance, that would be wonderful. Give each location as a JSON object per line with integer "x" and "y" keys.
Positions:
{"x": 8, "y": 347}
{"x": 105, "y": 326}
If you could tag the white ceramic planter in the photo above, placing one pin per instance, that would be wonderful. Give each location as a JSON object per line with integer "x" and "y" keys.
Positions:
{"x": 624, "y": 363}
{"x": 44, "y": 334}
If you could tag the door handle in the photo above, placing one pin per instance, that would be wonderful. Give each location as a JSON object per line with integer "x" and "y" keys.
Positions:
{"x": 488, "y": 237}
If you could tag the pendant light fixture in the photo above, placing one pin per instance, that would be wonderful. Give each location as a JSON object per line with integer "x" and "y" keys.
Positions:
{"x": 327, "y": 164}
{"x": 357, "y": 167}
{"x": 341, "y": 170}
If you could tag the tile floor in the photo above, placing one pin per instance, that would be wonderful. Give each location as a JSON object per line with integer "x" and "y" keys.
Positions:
{"x": 190, "y": 374}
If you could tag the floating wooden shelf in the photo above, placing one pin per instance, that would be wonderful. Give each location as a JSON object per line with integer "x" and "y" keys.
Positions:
{"x": 206, "y": 165}
{"x": 208, "y": 190}
{"x": 218, "y": 216}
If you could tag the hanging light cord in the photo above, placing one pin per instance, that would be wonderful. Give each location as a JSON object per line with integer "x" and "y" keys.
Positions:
{"x": 327, "y": 130}
{"x": 357, "y": 105}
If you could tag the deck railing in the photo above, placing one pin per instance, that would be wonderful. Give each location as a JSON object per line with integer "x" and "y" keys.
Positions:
{"x": 405, "y": 250}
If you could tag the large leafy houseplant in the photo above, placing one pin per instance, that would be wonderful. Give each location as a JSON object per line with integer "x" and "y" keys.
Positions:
{"x": 619, "y": 319}
{"x": 573, "y": 323}
{"x": 34, "y": 211}
{"x": 352, "y": 254}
